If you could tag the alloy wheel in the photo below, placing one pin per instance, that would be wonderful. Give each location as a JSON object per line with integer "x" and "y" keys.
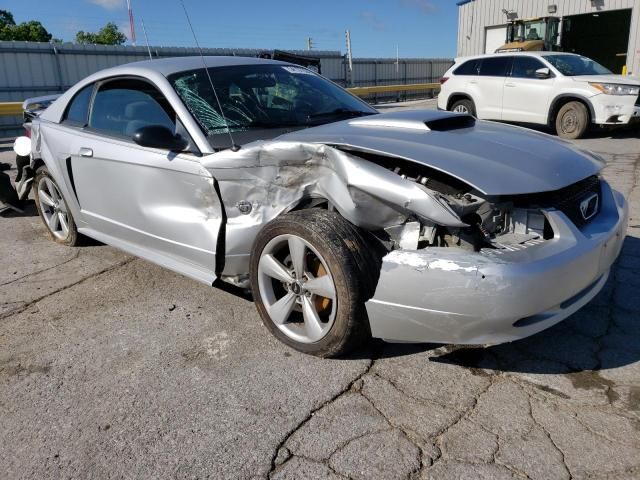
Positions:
{"x": 461, "y": 109}
{"x": 53, "y": 208}
{"x": 297, "y": 289}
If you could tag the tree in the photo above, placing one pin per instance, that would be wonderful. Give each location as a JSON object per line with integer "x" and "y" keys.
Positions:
{"x": 107, "y": 35}
{"x": 31, "y": 31}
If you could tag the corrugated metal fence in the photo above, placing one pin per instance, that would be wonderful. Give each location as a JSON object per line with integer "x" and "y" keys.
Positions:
{"x": 29, "y": 69}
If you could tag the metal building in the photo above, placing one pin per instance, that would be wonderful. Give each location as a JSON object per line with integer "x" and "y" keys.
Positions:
{"x": 606, "y": 30}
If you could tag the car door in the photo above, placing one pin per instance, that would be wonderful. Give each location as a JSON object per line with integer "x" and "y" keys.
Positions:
{"x": 526, "y": 96}
{"x": 149, "y": 201}
{"x": 487, "y": 88}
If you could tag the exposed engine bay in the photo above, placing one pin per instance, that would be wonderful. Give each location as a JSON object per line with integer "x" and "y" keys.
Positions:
{"x": 491, "y": 222}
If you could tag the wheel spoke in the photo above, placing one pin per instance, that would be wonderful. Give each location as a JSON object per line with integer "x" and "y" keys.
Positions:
{"x": 280, "y": 311}
{"x": 322, "y": 286}
{"x": 64, "y": 225}
{"x": 297, "y": 250}
{"x": 312, "y": 324}
{"x": 274, "y": 269}
{"x": 44, "y": 198}
{"x": 52, "y": 189}
{"x": 54, "y": 222}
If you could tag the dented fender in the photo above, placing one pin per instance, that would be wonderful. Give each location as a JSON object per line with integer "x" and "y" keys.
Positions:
{"x": 265, "y": 179}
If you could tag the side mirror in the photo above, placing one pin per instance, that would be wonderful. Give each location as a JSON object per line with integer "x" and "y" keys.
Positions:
{"x": 544, "y": 72}
{"x": 158, "y": 136}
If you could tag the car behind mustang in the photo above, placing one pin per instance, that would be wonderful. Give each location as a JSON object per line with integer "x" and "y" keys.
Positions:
{"x": 418, "y": 226}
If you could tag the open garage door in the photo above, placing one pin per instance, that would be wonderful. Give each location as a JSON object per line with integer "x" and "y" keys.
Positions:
{"x": 603, "y": 36}
{"x": 494, "y": 37}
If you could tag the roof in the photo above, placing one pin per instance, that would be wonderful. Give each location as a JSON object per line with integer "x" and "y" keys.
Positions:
{"x": 168, "y": 66}
{"x": 529, "y": 54}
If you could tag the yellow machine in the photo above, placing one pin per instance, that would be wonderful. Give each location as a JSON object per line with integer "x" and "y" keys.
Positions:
{"x": 532, "y": 34}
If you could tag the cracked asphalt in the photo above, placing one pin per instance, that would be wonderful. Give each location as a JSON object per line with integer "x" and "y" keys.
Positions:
{"x": 111, "y": 367}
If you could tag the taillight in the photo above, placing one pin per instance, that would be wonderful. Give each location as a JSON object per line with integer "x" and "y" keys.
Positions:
{"x": 27, "y": 131}
{"x": 443, "y": 80}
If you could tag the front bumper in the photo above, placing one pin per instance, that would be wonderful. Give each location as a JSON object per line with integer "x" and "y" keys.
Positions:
{"x": 446, "y": 295}
{"x": 614, "y": 110}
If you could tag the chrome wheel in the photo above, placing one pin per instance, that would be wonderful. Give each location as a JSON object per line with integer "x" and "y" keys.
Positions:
{"x": 53, "y": 208}
{"x": 461, "y": 109}
{"x": 297, "y": 289}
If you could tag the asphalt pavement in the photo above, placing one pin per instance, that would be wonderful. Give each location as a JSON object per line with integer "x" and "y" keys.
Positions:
{"x": 111, "y": 367}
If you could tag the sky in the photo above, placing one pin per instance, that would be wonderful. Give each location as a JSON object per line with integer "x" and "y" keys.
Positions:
{"x": 419, "y": 28}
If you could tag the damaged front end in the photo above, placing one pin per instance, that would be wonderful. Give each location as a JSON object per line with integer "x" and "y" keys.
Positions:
{"x": 461, "y": 266}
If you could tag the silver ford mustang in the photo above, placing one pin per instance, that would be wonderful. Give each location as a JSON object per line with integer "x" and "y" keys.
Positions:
{"x": 419, "y": 226}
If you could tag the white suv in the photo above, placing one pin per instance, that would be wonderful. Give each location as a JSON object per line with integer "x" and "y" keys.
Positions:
{"x": 558, "y": 89}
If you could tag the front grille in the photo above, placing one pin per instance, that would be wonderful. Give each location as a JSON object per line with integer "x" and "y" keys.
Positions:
{"x": 567, "y": 199}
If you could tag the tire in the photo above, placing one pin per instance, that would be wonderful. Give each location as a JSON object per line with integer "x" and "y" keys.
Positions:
{"x": 53, "y": 209}
{"x": 572, "y": 120}
{"x": 464, "y": 106}
{"x": 334, "y": 250}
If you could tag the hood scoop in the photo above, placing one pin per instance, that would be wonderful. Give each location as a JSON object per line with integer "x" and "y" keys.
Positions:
{"x": 384, "y": 121}
{"x": 443, "y": 123}
{"x": 452, "y": 122}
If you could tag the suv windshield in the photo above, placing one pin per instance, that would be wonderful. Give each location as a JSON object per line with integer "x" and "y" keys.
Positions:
{"x": 267, "y": 96}
{"x": 572, "y": 65}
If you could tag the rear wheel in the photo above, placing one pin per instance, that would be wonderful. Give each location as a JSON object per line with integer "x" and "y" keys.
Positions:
{"x": 53, "y": 209}
{"x": 311, "y": 272}
{"x": 572, "y": 120}
{"x": 464, "y": 106}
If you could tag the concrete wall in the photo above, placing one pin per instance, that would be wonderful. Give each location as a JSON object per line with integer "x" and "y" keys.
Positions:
{"x": 475, "y": 15}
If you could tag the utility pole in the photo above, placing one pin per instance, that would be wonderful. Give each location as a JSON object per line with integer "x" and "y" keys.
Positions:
{"x": 397, "y": 59}
{"x": 309, "y": 43}
{"x": 349, "y": 55}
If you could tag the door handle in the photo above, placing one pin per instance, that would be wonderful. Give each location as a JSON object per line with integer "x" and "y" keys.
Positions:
{"x": 86, "y": 152}
{"x": 509, "y": 84}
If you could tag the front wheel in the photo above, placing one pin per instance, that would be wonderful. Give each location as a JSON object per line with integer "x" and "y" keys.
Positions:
{"x": 311, "y": 272}
{"x": 572, "y": 120}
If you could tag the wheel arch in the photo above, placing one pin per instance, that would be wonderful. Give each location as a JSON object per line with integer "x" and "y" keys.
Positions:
{"x": 455, "y": 96}
{"x": 564, "y": 98}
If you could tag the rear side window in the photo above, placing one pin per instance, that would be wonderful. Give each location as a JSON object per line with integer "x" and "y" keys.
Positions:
{"x": 121, "y": 107}
{"x": 79, "y": 107}
{"x": 495, "y": 66}
{"x": 470, "y": 67}
{"x": 525, "y": 67}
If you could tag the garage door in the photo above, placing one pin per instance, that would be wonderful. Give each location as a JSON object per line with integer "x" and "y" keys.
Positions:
{"x": 494, "y": 38}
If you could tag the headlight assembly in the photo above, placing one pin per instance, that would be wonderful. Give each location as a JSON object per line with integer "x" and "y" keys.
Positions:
{"x": 615, "y": 88}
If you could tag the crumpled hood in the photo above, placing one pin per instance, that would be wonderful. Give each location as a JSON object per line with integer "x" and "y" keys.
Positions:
{"x": 494, "y": 158}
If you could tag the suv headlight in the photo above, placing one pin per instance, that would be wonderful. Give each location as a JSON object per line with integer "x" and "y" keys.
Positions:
{"x": 615, "y": 88}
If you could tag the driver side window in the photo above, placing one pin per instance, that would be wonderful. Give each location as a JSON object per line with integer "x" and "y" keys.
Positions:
{"x": 121, "y": 107}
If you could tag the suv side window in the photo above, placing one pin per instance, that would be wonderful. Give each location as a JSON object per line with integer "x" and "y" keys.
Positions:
{"x": 525, "y": 67}
{"x": 78, "y": 108}
{"x": 470, "y": 67}
{"x": 495, "y": 66}
{"x": 123, "y": 106}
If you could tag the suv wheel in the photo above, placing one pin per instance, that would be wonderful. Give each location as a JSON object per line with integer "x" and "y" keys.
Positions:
{"x": 572, "y": 120}
{"x": 464, "y": 106}
{"x": 311, "y": 272}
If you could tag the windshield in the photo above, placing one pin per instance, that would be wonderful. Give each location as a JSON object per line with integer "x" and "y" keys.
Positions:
{"x": 264, "y": 97}
{"x": 572, "y": 65}
{"x": 532, "y": 30}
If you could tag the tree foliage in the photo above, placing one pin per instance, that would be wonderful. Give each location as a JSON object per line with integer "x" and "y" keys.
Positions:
{"x": 107, "y": 35}
{"x": 31, "y": 31}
